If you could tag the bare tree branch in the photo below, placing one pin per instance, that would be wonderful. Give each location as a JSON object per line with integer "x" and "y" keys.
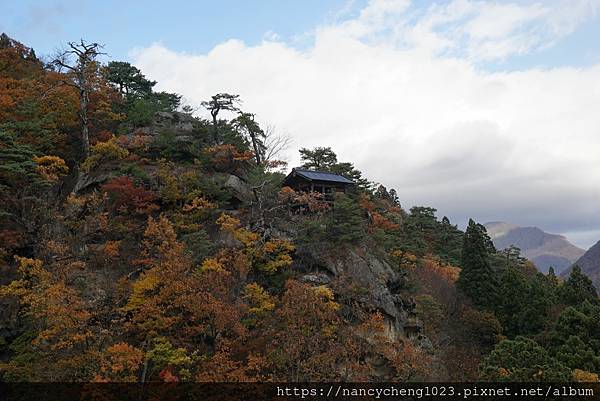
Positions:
{"x": 275, "y": 144}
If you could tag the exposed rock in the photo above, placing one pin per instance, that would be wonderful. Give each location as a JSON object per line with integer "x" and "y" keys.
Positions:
{"x": 383, "y": 283}
{"x": 316, "y": 279}
{"x": 180, "y": 124}
{"x": 239, "y": 189}
{"x": 85, "y": 180}
{"x": 424, "y": 342}
{"x": 226, "y": 239}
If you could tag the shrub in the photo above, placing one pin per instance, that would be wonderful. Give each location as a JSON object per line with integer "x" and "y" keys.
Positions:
{"x": 227, "y": 158}
{"x": 51, "y": 167}
{"x": 103, "y": 152}
{"x": 138, "y": 174}
{"x": 126, "y": 196}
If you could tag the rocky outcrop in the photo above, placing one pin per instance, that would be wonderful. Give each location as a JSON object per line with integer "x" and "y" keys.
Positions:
{"x": 177, "y": 126}
{"x": 384, "y": 286}
{"x": 86, "y": 180}
{"x": 180, "y": 125}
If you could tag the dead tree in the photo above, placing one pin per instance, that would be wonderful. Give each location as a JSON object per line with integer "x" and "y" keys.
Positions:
{"x": 78, "y": 60}
{"x": 275, "y": 144}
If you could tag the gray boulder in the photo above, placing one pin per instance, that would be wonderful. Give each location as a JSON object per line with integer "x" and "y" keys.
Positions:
{"x": 239, "y": 189}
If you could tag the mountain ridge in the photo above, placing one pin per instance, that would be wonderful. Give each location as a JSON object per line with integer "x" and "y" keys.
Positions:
{"x": 542, "y": 248}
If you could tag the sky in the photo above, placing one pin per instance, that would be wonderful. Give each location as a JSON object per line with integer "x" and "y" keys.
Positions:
{"x": 482, "y": 109}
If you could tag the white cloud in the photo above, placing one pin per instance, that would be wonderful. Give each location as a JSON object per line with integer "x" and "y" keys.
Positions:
{"x": 388, "y": 91}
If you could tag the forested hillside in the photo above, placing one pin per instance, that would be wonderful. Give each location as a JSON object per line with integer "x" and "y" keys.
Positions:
{"x": 140, "y": 243}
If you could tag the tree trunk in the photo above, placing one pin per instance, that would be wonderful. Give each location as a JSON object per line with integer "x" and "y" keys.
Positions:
{"x": 85, "y": 130}
{"x": 255, "y": 146}
{"x": 215, "y": 130}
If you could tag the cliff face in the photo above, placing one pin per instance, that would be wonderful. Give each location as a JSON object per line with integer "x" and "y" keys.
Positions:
{"x": 383, "y": 291}
{"x": 364, "y": 280}
{"x": 542, "y": 248}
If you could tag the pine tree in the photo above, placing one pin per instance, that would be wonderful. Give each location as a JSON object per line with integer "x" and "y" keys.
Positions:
{"x": 448, "y": 242}
{"x": 477, "y": 279}
{"x": 578, "y": 288}
{"x": 552, "y": 276}
{"x": 347, "y": 221}
{"x": 522, "y": 359}
{"x": 20, "y": 182}
{"x": 318, "y": 158}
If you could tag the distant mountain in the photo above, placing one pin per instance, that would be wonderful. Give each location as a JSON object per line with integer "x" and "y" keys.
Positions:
{"x": 590, "y": 265}
{"x": 542, "y": 248}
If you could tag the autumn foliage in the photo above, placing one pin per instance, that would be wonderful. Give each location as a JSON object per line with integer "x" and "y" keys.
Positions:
{"x": 51, "y": 167}
{"x": 173, "y": 253}
{"x": 125, "y": 196}
{"x": 228, "y": 158}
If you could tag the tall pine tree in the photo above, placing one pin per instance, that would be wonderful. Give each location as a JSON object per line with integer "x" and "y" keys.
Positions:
{"x": 477, "y": 280}
{"x": 578, "y": 288}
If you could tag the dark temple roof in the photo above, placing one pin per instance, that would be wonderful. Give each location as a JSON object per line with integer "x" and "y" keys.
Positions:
{"x": 313, "y": 175}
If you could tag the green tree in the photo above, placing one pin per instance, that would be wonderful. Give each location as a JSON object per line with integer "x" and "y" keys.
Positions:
{"x": 128, "y": 79}
{"x": 217, "y": 103}
{"x": 325, "y": 159}
{"x": 552, "y": 277}
{"x": 582, "y": 322}
{"x": 522, "y": 360}
{"x": 448, "y": 243}
{"x": 141, "y": 102}
{"x": 348, "y": 170}
{"x": 251, "y": 130}
{"x": 347, "y": 223}
{"x": 166, "y": 101}
{"x": 318, "y": 158}
{"x": 477, "y": 279}
{"x": 425, "y": 234}
{"x": 512, "y": 256}
{"x": 577, "y": 354}
{"x": 538, "y": 303}
{"x": 578, "y": 288}
{"x": 419, "y": 229}
{"x": 524, "y": 301}
{"x": 513, "y": 289}
{"x": 141, "y": 110}
{"x": 20, "y": 183}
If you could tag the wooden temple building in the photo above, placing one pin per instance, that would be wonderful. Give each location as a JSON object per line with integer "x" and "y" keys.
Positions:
{"x": 317, "y": 181}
